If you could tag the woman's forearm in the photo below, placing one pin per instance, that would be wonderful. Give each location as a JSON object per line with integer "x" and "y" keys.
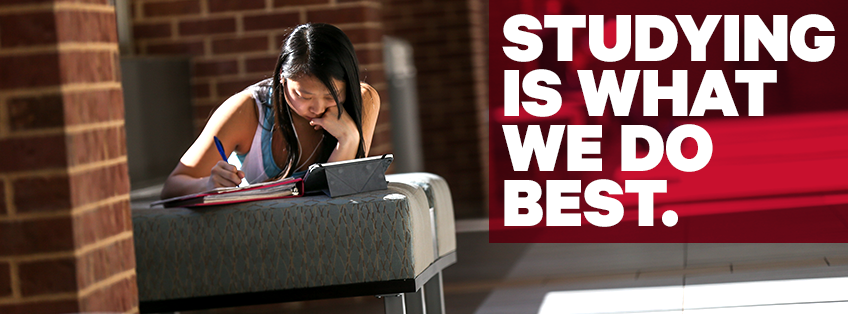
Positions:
{"x": 345, "y": 150}
{"x": 181, "y": 184}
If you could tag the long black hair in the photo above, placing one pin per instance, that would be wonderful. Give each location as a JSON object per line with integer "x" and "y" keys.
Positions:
{"x": 325, "y": 52}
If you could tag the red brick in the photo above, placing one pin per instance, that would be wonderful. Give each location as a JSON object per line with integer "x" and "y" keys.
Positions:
{"x": 18, "y": 72}
{"x": 87, "y": 67}
{"x": 2, "y": 197}
{"x": 373, "y": 77}
{"x": 101, "y": 223}
{"x": 413, "y": 31}
{"x": 5, "y": 280}
{"x": 231, "y": 6}
{"x": 384, "y": 119}
{"x": 38, "y": 112}
{"x": 28, "y": 29}
{"x": 42, "y": 194}
{"x": 119, "y": 297}
{"x": 102, "y": 263}
{"x": 86, "y": 26}
{"x": 142, "y": 31}
{"x": 208, "y": 26}
{"x": 271, "y": 21}
{"x": 261, "y": 64}
{"x": 203, "y": 112}
{"x": 453, "y": 46}
{"x": 46, "y": 277}
{"x": 245, "y": 44}
{"x": 36, "y": 236}
{"x": 84, "y": 1}
{"x": 370, "y": 55}
{"x": 198, "y": 127}
{"x": 171, "y": 8}
{"x": 286, "y": 3}
{"x": 279, "y": 39}
{"x": 357, "y": 14}
{"x": 381, "y": 138}
{"x": 227, "y": 89}
{"x": 10, "y": 2}
{"x": 98, "y": 184}
{"x": 96, "y": 145}
{"x": 364, "y": 35}
{"x": 443, "y": 11}
{"x": 200, "y": 90}
{"x": 93, "y": 106}
{"x": 41, "y": 307}
{"x": 116, "y": 60}
{"x": 32, "y": 153}
{"x": 215, "y": 68}
{"x": 181, "y": 48}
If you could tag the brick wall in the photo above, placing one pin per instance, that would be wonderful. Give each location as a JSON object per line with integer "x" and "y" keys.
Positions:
{"x": 65, "y": 229}
{"x": 233, "y": 44}
{"x": 449, "y": 42}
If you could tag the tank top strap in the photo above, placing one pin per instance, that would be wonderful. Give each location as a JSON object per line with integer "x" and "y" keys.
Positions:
{"x": 269, "y": 165}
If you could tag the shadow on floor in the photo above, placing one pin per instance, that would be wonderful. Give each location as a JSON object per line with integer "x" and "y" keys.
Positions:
{"x": 478, "y": 261}
{"x": 514, "y": 278}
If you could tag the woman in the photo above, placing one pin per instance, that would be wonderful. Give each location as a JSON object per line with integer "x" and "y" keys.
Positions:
{"x": 281, "y": 125}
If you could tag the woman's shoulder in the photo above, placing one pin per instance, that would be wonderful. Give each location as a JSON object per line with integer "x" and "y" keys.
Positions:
{"x": 367, "y": 89}
{"x": 370, "y": 98}
{"x": 240, "y": 105}
{"x": 244, "y": 104}
{"x": 236, "y": 119}
{"x": 261, "y": 91}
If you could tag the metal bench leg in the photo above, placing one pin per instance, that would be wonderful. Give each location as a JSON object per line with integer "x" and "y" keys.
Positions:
{"x": 434, "y": 297}
{"x": 394, "y": 303}
{"x": 415, "y": 302}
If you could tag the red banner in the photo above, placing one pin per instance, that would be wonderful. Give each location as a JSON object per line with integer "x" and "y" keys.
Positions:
{"x": 668, "y": 121}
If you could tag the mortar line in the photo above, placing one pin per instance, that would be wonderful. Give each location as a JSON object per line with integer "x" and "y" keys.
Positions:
{"x": 9, "y": 190}
{"x": 79, "y": 252}
{"x": 107, "y": 282}
{"x": 59, "y": 48}
{"x": 15, "y": 280}
{"x": 39, "y": 298}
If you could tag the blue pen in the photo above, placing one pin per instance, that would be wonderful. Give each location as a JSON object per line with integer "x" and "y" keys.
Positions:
{"x": 220, "y": 148}
{"x": 224, "y": 156}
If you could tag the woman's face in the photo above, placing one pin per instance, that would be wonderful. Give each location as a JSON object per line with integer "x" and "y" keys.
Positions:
{"x": 309, "y": 98}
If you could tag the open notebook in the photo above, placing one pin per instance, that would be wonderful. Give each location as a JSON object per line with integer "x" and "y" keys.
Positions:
{"x": 334, "y": 179}
{"x": 288, "y": 187}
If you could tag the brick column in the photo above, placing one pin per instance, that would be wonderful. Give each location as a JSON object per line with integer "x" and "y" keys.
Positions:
{"x": 478, "y": 13}
{"x": 65, "y": 227}
{"x": 449, "y": 46}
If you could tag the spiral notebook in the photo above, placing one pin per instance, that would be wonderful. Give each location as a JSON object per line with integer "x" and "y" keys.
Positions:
{"x": 333, "y": 179}
{"x": 289, "y": 187}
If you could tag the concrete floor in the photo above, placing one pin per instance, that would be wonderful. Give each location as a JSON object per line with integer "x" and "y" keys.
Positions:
{"x": 515, "y": 278}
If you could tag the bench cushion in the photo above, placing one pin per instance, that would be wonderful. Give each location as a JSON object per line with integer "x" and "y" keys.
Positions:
{"x": 438, "y": 197}
{"x": 274, "y": 245}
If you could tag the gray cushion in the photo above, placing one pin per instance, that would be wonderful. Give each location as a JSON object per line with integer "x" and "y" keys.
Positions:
{"x": 438, "y": 197}
{"x": 283, "y": 244}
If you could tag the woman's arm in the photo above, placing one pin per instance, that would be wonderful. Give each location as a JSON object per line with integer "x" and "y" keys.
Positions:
{"x": 201, "y": 167}
{"x": 348, "y": 137}
{"x": 370, "y": 112}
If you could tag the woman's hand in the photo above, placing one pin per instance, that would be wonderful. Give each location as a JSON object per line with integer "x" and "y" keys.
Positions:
{"x": 342, "y": 128}
{"x": 224, "y": 174}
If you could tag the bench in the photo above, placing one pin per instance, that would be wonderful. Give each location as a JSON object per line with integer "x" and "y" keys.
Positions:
{"x": 391, "y": 243}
